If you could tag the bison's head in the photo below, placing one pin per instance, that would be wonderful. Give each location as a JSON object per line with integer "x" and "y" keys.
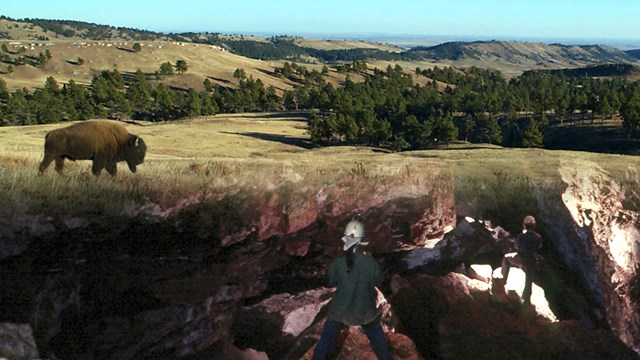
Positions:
{"x": 135, "y": 152}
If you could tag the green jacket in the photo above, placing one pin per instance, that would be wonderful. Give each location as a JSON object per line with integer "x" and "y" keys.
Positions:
{"x": 354, "y": 302}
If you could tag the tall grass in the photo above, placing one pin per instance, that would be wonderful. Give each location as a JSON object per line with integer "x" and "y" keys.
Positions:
{"x": 205, "y": 160}
{"x": 502, "y": 197}
{"x": 160, "y": 185}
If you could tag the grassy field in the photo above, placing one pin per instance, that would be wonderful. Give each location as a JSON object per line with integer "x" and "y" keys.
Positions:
{"x": 227, "y": 153}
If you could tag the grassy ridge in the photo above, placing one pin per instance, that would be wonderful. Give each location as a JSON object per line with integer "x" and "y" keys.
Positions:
{"x": 203, "y": 157}
{"x": 227, "y": 154}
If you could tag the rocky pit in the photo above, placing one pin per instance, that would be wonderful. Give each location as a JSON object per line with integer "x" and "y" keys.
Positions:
{"x": 241, "y": 276}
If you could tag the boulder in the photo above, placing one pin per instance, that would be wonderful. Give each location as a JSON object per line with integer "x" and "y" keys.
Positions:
{"x": 18, "y": 228}
{"x": 480, "y": 272}
{"x": 273, "y": 324}
{"x": 167, "y": 333}
{"x": 17, "y": 342}
{"x": 469, "y": 239}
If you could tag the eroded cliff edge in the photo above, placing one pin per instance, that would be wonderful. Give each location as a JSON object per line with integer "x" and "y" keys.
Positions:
{"x": 174, "y": 282}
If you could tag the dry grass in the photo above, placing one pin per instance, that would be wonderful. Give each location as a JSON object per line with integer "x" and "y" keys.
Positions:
{"x": 204, "y": 62}
{"x": 206, "y": 157}
{"x": 209, "y": 157}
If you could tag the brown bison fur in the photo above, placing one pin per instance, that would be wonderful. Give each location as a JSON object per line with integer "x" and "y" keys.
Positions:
{"x": 104, "y": 142}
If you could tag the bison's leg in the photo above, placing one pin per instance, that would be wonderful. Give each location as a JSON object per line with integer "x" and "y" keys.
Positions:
{"x": 46, "y": 161}
{"x": 98, "y": 165}
{"x": 112, "y": 168}
{"x": 60, "y": 165}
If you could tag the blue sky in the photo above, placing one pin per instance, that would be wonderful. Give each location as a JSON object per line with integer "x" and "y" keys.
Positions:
{"x": 482, "y": 19}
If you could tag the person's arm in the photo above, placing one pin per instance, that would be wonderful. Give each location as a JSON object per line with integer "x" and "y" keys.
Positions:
{"x": 332, "y": 275}
{"x": 539, "y": 242}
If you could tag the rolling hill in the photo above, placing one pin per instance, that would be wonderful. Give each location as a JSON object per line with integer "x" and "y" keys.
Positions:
{"x": 522, "y": 54}
{"x": 507, "y": 56}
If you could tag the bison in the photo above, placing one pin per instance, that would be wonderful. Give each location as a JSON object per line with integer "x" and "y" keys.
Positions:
{"x": 104, "y": 142}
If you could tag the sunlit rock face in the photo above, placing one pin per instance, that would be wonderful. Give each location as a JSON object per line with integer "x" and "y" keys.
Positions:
{"x": 455, "y": 317}
{"x": 599, "y": 240}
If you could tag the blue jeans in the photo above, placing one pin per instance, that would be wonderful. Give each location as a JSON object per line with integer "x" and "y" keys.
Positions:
{"x": 374, "y": 333}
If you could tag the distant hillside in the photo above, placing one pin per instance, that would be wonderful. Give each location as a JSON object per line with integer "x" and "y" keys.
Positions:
{"x": 274, "y": 48}
{"x": 43, "y": 29}
{"x": 524, "y": 53}
{"x": 496, "y": 54}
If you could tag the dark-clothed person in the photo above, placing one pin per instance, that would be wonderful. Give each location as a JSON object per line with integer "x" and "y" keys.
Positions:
{"x": 355, "y": 276}
{"x": 526, "y": 256}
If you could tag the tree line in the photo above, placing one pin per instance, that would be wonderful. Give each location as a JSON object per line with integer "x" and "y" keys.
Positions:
{"x": 86, "y": 30}
{"x": 475, "y": 105}
{"x": 112, "y": 95}
{"x": 389, "y": 108}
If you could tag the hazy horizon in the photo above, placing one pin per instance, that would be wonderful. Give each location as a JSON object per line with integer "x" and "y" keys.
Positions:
{"x": 412, "y": 40}
{"x": 406, "y": 40}
{"x": 544, "y": 20}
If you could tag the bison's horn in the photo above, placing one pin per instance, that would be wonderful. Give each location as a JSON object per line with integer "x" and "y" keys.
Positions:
{"x": 137, "y": 141}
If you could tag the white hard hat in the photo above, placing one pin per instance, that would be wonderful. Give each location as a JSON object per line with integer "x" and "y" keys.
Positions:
{"x": 353, "y": 234}
{"x": 354, "y": 228}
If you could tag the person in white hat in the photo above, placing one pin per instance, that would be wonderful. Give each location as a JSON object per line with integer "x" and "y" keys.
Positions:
{"x": 355, "y": 276}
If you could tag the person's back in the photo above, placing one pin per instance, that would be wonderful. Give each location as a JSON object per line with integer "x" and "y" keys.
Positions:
{"x": 527, "y": 245}
{"x": 354, "y": 302}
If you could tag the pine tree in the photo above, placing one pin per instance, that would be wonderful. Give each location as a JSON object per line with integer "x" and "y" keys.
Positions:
{"x": 445, "y": 131}
{"x": 193, "y": 104}
{"x": 4, "y": 93}
{"x": 630, "y": 112}
{"x": 181, "y": 67}
{"x": 166, "y": 69}
{"x": 487, "y": 129}
{"x": 532, "y": 136}
{"x": 239, "y": 74}
{"x": 18, "y": 111}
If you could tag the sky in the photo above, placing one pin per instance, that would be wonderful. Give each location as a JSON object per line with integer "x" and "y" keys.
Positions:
{"x": 462, "y": 19}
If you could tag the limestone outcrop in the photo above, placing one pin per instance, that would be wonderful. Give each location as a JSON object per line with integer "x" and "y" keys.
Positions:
{"x": 599, "y": 238}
